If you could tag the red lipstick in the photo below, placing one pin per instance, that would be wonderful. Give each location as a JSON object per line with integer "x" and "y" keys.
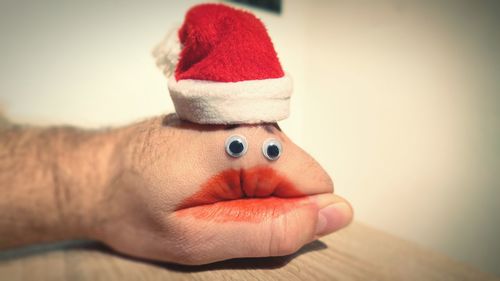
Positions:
{"x": 250, "y": 195}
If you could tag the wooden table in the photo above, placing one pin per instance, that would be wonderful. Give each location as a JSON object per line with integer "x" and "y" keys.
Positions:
{"x": 356, "y": 253}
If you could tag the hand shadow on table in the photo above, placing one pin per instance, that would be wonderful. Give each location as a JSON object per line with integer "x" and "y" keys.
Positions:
{"x": 239, "y": 263}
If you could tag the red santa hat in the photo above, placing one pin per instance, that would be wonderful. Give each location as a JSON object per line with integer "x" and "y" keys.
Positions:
{"x": 225, "y": 68}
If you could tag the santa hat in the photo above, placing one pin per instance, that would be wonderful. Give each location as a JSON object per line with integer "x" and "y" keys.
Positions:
{"x": 226, "y": 68}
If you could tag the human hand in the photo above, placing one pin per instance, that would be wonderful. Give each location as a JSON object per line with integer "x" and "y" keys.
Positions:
{"x": 177, "y": 196}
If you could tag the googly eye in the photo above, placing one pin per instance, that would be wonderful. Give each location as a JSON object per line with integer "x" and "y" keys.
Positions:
{"x": 236, "y": 146}
{"x": 272, "y": 149}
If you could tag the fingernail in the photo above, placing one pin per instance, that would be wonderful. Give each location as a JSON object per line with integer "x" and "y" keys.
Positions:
{"x": 333, "y": 217}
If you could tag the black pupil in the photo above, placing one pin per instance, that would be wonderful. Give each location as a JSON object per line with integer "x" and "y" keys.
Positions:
{"x": 273, "y": 151}
{"x": 236, "y": 147}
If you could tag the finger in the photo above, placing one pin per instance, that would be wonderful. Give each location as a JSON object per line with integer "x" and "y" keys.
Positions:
{"x": 334, "y": 213}
{"x": 206, "y": 234}
{"x": 306, "y": 173}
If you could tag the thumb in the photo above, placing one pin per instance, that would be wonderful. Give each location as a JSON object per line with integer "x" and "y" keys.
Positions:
{"x": 273, "y": 227}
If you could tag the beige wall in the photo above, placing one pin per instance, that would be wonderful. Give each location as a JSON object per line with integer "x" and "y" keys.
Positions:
{"x": 409, "y": 92}
{"x": 398, "y": 100}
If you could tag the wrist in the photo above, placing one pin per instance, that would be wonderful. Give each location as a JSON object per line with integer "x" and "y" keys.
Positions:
{"x": 51, "y": 181}
{"x": 85, "y": 167}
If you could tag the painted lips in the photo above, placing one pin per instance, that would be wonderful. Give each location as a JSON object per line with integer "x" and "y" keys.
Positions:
{"x": 249, "y": 195}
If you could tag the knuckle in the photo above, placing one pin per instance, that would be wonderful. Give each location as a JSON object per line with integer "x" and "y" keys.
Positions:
{"x": 283, "y": 240}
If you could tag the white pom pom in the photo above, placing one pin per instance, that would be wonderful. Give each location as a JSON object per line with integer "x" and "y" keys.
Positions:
{"x": 167, "y": 52}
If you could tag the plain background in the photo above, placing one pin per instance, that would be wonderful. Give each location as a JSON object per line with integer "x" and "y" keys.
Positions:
{"x": 398, "y": 100}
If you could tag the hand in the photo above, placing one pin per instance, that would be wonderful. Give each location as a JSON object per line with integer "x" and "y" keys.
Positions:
{"x": 177, "y": 196}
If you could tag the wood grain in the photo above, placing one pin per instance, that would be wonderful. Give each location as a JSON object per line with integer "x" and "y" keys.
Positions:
{"x": 357, "y": 253}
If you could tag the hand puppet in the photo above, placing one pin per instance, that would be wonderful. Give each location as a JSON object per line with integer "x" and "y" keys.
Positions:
{"x": 222, "y": 69}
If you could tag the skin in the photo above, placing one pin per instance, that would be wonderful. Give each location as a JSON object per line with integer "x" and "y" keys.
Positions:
{"x": 147, "y": 190}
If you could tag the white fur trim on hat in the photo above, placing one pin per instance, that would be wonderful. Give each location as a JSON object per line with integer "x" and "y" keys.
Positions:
{"x": 245, "y": 102}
